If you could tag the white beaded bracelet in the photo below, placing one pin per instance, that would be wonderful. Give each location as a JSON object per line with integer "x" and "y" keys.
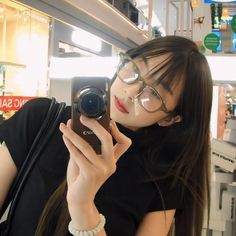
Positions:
{"x": 91, "y": 232}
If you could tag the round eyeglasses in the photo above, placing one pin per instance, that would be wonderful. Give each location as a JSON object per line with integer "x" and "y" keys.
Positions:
{"x": 148, "y": 97}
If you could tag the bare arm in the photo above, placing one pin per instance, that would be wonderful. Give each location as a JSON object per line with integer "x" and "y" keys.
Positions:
{"x": 8, "y": 172}
{"x": 156, "y": 223}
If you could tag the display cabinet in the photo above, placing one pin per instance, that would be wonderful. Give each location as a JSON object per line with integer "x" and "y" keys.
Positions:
{"x": 10, "y": 86}
{"x": 127, "y": 8}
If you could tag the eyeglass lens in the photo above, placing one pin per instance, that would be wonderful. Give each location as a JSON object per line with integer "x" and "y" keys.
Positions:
{"x": 148, "y": 98}
{"x": 128, "y": 72}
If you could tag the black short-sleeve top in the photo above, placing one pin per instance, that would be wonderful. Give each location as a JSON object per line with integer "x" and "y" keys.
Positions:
{"x": 124, "y": 199}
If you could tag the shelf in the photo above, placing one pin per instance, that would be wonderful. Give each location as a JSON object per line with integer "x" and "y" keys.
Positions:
{"x": 111, "y": 17}
{"x": 7, "y": 63}
{"x": 127, "y": 9}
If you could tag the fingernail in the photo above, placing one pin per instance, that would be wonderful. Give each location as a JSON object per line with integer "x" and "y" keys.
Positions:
{"x": 83, "y": 118}
{"x": 113, "y": 124}
{"x": 62, "y": 126}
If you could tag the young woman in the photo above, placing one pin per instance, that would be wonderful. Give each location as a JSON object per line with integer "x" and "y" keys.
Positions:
{"x": 153, "y": 172}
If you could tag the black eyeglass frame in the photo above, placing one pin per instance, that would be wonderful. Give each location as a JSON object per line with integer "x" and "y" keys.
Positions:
{"x": 124, "y": 56}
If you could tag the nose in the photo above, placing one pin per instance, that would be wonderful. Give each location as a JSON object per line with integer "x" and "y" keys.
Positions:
{"x": 133, "y": 89}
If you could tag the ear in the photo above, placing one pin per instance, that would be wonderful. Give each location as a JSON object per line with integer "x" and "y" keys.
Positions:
{"x": 167, "y": 121}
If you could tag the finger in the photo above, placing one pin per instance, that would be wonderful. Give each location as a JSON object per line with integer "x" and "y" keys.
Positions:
{"x": 78, "y": 143}
{"x": 75, "y": 154}
{"x": 123, "y": 142}
{"x": 102, "y": 134}
{"x": 69, "y": 122}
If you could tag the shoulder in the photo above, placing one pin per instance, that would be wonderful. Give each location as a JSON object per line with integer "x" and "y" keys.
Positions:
{"x": 37, "y": 104}
{"x": 34, "y": 110}
{"x": 28, "y": 119}
{"x": 32, "y": 113}
{"x": 19, "y": 131}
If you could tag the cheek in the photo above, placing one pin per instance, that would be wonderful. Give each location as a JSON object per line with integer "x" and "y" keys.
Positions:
{"x": 172, "y": 102}
{"x": 143, "y": 118}
{"x": 115, "y": 85}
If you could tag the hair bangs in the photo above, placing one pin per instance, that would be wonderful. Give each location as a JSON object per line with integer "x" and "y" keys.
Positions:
{"x": 170, "y": 72}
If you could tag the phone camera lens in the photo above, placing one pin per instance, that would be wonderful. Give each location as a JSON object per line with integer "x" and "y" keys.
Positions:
{"x": 92, "y": 102}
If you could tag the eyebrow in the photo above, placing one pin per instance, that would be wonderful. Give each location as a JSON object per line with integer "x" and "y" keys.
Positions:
{"x": 166, "y": 87}
{"x": 164, "y": 84}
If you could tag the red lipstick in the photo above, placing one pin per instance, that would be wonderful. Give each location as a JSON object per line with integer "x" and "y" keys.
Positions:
{"x": 120, "y": 106}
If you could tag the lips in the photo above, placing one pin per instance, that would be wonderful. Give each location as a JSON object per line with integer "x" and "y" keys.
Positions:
{"x": 120, "y": 106}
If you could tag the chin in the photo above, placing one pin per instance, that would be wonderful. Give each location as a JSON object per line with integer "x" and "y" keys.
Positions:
{"x": 116, "y": 115}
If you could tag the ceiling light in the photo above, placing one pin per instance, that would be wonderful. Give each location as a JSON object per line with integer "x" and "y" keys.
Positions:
{"x": 86, "y": 40}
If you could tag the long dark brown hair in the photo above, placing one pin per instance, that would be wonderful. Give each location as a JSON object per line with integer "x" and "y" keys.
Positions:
{"x": 189, "y": 140}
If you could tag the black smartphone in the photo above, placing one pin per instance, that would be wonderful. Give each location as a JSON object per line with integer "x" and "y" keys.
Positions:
{"x": 90, "y": 96}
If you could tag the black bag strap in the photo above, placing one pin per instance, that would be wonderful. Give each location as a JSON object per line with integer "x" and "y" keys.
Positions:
{"x": 46, "y": 130}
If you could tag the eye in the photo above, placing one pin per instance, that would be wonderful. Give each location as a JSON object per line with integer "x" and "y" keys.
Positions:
{"x": 153, "y": 93}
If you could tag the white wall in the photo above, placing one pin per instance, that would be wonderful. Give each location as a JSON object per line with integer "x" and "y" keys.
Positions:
{"x": 169, "y": 15}
{"x": 223, "y": 71}
{"x": 222, "y": 67}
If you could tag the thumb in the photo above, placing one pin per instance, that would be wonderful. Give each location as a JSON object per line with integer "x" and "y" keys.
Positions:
{"x": 123, "y": 142}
